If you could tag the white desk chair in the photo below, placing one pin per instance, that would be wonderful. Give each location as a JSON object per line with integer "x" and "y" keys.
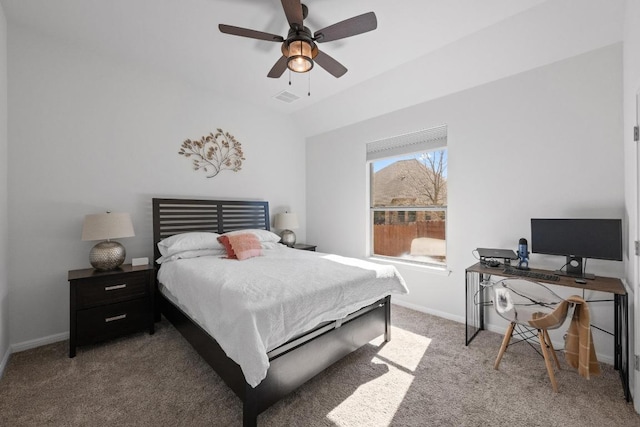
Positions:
{"x": 531, "y": 309}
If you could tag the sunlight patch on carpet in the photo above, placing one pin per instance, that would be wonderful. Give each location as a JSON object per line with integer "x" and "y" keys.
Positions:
{"x": 413, "y": 346}
{"x": 380, "y": 398}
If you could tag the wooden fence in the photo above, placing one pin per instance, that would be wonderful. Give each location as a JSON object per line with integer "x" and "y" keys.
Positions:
{"x": 395, "y": 239}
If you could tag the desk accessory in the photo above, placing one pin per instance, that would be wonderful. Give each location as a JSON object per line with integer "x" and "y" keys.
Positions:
{"x": 530, "y": 274}
{"x": 523, "y": 254}
{"x": 108, "y": 254}
{"x": 490, "y": 257}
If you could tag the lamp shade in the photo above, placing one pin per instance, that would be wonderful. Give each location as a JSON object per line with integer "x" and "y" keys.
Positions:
{"x": 107, "y": 226}
{"x": 286, "y": 221}
{"x": 300, "y": 54}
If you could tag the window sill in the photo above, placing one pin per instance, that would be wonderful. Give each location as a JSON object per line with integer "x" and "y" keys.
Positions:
{"x": 423, "y": 268}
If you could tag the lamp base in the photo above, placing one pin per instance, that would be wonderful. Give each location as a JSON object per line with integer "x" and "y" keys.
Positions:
{"x": 288, "y": 238}
{"x": 107, "y": 255}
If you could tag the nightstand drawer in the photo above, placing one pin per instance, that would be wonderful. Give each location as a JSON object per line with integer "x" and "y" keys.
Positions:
{"x": 109, "y": 289}
{"x": 110, "y": 321}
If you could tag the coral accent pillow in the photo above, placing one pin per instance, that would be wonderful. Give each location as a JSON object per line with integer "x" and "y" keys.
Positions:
{"x": 241, "y": 246}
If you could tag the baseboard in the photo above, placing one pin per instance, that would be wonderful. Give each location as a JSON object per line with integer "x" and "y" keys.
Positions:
{"x": 422, "y": 309}
{"x": 5, "y": 360}
{"x": 26, "y": 345}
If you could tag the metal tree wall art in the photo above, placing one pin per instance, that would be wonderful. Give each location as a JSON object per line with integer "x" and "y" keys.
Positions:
{"x": 214, "y": 153}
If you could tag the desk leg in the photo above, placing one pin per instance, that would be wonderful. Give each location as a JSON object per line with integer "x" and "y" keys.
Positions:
{"x": 481, "y": 300}
{"x": 474, "y": 311}
{"x": 466, "y": 308}
{"x": 617, "y": 349}
{"x": 621, "y": 338}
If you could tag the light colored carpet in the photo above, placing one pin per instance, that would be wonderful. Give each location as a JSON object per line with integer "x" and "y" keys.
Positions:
{"x": 424, "y": 377}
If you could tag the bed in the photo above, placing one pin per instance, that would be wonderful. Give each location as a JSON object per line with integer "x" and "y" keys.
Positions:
{"x": 290, "y": 364}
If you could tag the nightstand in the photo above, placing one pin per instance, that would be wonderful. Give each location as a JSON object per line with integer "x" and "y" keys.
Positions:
{"x": 109, "y": 304}
{"x": 305, "y": 247}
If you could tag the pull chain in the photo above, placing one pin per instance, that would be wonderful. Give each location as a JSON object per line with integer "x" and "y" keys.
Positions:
{"x": 289, "y": 77}
{"x": 309, "y": 88}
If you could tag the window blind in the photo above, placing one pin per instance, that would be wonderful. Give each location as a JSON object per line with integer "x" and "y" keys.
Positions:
{"x": 423, "y": 140}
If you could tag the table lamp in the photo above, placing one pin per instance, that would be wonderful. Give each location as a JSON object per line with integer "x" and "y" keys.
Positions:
{"x": 108, "y": 254}
{"x": 285, "y": 222}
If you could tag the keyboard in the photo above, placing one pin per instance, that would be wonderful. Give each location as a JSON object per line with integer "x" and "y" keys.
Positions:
{"x": 530, "y": 274}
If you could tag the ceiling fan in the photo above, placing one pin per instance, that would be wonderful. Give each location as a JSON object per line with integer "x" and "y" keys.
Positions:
{"x": 299, "y": 48}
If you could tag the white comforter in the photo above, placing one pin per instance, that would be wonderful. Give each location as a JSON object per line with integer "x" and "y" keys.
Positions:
{"x": 251, "y": 307}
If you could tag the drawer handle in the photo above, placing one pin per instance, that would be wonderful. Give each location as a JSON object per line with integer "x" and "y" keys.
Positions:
{"x": 115, "y": 287}
{"x": 119, "y": 317}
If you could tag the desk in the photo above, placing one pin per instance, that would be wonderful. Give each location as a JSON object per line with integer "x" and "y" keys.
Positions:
{"x": 476, "y": 303}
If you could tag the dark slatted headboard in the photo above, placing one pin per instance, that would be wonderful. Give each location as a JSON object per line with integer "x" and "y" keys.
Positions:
{"x": 173, "y": 216}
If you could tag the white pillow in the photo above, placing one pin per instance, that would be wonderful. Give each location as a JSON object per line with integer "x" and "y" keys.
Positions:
{"x": 262, "y": 235}
{"x": 189, "y": 242}
{"x": 272, "y": 245}
{"x": 191, "y": 254}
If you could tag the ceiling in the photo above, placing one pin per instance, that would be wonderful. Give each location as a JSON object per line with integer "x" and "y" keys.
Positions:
{"x": 181, "y": 37}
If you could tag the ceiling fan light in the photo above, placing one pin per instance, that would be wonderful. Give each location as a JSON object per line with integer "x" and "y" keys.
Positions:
{"x": 300, "y": 55}
{"x": 300, "y": 64}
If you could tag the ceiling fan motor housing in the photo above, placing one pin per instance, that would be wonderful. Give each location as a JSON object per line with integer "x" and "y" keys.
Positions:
{"x": 299, "y": 35}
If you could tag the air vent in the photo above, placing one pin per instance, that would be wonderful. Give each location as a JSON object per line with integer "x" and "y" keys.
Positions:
{"x": 287, "y": 97}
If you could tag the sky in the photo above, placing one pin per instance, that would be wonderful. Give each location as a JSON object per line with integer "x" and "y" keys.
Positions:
{"x": 383, "y": 163}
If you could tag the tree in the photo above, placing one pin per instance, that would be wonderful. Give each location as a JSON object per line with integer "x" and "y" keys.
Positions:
{"x": 436, "y": 164}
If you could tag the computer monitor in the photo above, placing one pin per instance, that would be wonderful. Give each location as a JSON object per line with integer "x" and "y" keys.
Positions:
{"x": 577, "y": 239}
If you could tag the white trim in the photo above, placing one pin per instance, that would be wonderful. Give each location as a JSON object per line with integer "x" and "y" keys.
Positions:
{"x": 422, "y": 267}
{"x": 422, "y": 309}
{"x": 414, "y": 142}
{"x": 38, "y": 342}
{"x": 5, "y": 360}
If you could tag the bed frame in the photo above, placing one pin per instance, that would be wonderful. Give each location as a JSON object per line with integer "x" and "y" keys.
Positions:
{"x": 291, "y": 364}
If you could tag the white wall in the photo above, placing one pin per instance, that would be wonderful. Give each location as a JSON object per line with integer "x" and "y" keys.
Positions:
{"x": 543, "y": 143}
{"x": 542, "y": 35}
{"x": 4, "y": 284}
{"x": 631, "y": 69}
{"x": 89, "y": 133}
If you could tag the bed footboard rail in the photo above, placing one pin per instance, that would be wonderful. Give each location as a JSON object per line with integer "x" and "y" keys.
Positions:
{"x": 294, "y": 366}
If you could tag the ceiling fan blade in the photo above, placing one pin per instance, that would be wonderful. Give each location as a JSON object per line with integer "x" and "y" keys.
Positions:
{"x": 293, "y": 11}
{"x": 347, "y": 28}
{"x": 332, "y": 66}
{"x": 252, "y": 34}
{"x": 278, "y": 68}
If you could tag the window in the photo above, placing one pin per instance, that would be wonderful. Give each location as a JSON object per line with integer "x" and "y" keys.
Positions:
{"x": 408, "y": 197}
